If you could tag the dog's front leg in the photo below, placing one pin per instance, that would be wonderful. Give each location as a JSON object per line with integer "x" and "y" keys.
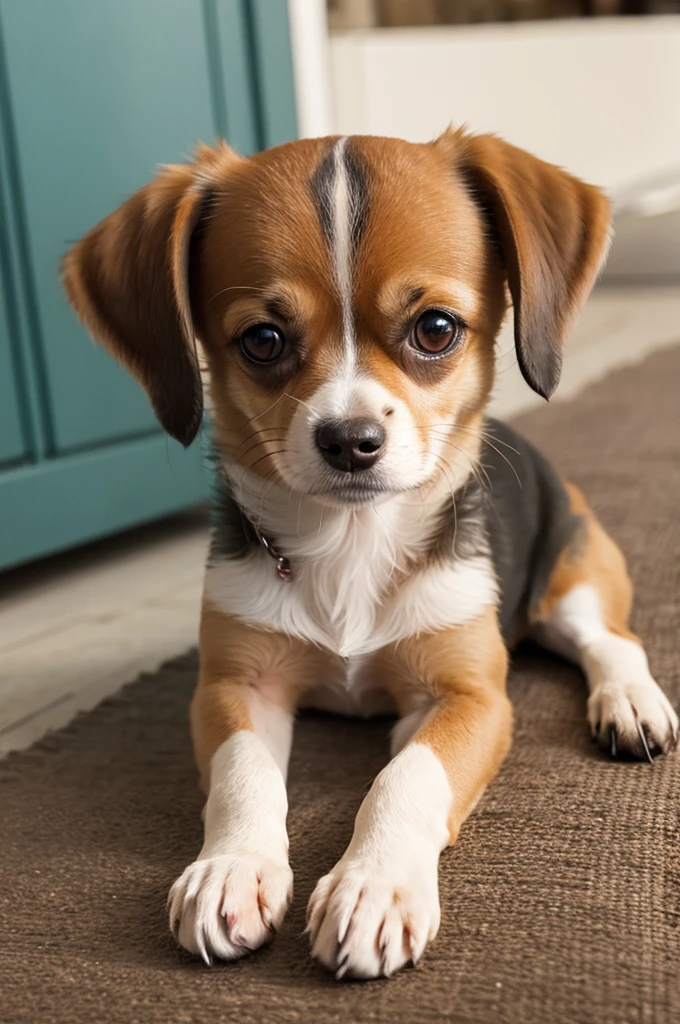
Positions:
{"x": 379, "y": 906}
{"x": 235, "y": 894}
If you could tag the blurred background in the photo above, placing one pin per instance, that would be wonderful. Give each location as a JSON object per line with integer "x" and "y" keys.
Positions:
{"x": 103, "y": 522}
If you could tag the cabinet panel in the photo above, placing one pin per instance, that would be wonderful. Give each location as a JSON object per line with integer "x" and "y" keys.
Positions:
{"x": 76, "y": 498}
{"x": 274, "y": 71}
{"x": 100, "y": 93}
{"x": 12, "y": 446}
{"x": 235, "y": 90}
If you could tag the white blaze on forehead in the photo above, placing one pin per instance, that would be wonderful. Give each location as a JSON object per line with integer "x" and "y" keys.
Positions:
{"x": 344, "y": 212}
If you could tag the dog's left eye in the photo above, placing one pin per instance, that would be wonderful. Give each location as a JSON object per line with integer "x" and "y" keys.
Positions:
{"x": 436, "y": 332}
{"x": 262, "y": 343}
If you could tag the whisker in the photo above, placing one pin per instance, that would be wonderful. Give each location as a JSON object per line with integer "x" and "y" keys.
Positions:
{"x": 392, "y": 530}
{"x": 262, "y": 414}
{"x": 422, "y": 503}
{"x": 299, "y": 513}
{"x": 488, "y": 438}
{"x": 264, "y": 493}
{"x": 486, "y": 434}
{"x": 237, "y": 447}
{"x": 265, "y": 440}
{"x": 240, "y": 287}
{"x": 301, "y": 401}
{"x": 485, "y": 439}
{"x": 453, "y": 500}
{"x": 505, "y": 459}
{"x": 476, "y": 467}
{"x": 445, "y": 462}
{"x": 267, "y": 455}
{"x": 427, "y": 426}
{"x": 468, "y": 430}
{"x": 256, "y": 432}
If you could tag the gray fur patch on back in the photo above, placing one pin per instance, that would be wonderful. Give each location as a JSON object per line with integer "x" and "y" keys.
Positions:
{"x": 529, "y": 520}
{"x": 462, "y": 531}
{"x": 518, "y": 511}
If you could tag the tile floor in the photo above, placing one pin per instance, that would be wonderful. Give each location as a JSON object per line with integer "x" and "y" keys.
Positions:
{"x": 75, "y": 628}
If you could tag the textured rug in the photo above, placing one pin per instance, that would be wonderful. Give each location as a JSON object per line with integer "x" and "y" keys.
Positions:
{"x": 561, "y": 900}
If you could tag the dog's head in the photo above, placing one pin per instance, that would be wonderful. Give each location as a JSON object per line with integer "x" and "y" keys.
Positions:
{"x": 346, "y": 293}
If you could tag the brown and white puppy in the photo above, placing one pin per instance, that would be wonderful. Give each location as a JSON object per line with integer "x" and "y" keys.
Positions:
{"x": 346, "y": 293}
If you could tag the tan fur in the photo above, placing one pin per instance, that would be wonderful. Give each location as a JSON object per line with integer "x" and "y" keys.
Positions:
{"x": 456, "y": 237}
{"x": 261, "y": 241}
{"x": 464, "y": 669}
{"x": 470, "y": 727}
{"x": 553, "y": 231}
{"x": 260, "y": 256}
{"x": 236, "y": 656}
{"x": 597, "y": 561}
{"x": 127, "y": 280}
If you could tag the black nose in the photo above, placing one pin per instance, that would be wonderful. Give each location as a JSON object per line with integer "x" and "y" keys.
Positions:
{"x": 350, "y": 445}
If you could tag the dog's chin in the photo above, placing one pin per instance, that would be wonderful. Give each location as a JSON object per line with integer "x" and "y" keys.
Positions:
{"x": 355, "y": 491}
{"x": 349, "y": 490}
{"x": 352, "y": 496}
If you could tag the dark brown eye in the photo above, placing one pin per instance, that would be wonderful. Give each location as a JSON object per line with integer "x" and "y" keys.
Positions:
{"x": 436, "y": 332}
{"x": 262, "y": 343}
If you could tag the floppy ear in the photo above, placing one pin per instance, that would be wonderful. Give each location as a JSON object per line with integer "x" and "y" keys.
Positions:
{"x": 128, "y": 281}
{"x": 553, "y": 231}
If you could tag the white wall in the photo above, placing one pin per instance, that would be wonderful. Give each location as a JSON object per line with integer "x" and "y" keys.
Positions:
{"x": 309, "y": 43}
{"x": 600, "y": 97}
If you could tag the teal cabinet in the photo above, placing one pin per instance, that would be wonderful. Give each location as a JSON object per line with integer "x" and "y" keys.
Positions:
{"x": 100, "y": 96}
{"x": 93, "y": 96}
{"x": 13, "y": 446}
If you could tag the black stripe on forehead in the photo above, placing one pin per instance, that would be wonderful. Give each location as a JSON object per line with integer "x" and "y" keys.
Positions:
{"x": 357, "y": 183}
{"x": 322, "y": 186}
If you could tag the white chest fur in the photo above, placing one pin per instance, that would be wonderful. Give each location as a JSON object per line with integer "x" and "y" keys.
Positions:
{"x": 353, "y": 590}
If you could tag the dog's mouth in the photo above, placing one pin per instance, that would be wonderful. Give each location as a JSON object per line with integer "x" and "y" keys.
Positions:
{"x": 355, "y": 489}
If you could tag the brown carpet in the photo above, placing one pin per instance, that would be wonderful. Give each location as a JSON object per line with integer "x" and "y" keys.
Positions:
{"x": 561, "y": 901}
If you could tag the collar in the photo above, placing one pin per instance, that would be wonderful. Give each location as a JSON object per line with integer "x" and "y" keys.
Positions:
{"x": 283, "y": 569}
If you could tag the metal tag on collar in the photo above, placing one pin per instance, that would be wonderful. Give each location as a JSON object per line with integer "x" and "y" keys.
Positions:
{"x": 283, "y": 569}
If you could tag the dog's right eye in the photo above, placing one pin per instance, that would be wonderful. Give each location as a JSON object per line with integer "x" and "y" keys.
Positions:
{"x": 262, "y": 343}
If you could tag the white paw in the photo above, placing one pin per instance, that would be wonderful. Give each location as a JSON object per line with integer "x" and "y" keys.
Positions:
{"x": 365, "y": 924}
{"x": 224, "y": 907}
{"x": 633, "y": 718}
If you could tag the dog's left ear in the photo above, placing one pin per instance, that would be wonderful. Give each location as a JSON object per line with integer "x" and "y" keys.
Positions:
{"x": 553, "y": 231}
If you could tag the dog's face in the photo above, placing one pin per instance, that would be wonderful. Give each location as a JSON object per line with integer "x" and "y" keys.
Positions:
{"x": 347, "y": 301}
{"x": 347, "y": 294}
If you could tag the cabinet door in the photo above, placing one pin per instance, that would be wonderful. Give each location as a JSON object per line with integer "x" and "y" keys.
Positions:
{"x": 100, "y": 93}
{"x": 12, "y": 445}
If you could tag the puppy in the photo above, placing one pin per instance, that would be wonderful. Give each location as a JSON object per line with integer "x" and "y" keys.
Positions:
{"x": 379, "y": 545}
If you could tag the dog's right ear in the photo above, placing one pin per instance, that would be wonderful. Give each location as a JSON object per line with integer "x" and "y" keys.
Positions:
{"x": 128, "y": 281}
